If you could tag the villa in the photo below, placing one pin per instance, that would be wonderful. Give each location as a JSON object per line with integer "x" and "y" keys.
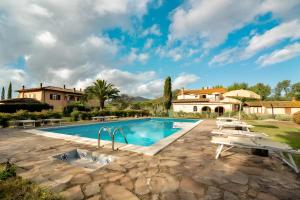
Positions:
{"x": 204, "y": 100}
{"x": 55, "y": 96}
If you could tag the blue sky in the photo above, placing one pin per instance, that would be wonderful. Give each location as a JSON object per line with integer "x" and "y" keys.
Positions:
{"x": 135, "y": 44}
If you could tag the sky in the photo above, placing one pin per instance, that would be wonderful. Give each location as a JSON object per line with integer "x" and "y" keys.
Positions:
{"x": 136, "y": 44}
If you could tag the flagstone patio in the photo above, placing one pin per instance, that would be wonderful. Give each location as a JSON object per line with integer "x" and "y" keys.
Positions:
{"x": 185, "y": 170}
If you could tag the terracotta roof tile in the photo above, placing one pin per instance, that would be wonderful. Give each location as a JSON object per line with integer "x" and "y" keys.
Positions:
{"x": 52, "y": 88}
{"x": 204, "y": 91}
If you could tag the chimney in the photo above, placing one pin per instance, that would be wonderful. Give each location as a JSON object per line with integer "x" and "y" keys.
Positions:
{"x": 23, "y": 87}
{"x": 182, "y": 91}
{"x": 64, "y": 86}
{"x": 294, "y": 99}
{"x": 41, "y": 85}
{"x": 74, "y": 89}
{"x": 80, "y": 89}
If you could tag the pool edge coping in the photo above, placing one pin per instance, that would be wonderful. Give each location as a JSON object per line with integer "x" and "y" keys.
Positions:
{"x": 147, "y": 150}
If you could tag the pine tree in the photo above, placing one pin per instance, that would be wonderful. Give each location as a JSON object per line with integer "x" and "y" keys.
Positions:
{"x": 168, "y": 93}
{"x": 3, "y": 93}
{"x": 9, "y": 91}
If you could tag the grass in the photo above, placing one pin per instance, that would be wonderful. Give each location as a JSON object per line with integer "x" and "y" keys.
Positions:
{"x": 282, "y": 131}
{"x": 14, "y": 187}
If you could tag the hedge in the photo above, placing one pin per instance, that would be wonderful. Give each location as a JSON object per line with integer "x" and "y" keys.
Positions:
{"x": 31, "y": 107}
{"x": 70, "y": 108}
{"x": 121, "y": 113}
{"x": 23, "y": 114}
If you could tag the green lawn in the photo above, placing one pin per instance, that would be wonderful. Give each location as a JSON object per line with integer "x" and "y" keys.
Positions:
{"x": 282, "y": 131}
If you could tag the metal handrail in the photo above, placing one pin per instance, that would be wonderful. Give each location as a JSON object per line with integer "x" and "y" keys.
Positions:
{"x": 107, "y": 129}
{"x": 113, "y": 136}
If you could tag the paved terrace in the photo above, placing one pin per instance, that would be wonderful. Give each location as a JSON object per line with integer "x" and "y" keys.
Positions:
{"x": 184, "y": 170}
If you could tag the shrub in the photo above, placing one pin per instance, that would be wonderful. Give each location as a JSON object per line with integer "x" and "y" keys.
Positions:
{"x": 4, "y": 119}
{"x": 296, "y": 117}
{"x": 14, "y": 105}
{"x": 8, "y": 171}
{"x": 76, "y": 106}
{"x": 75, "y": 115}
{"x": 283, "y": 117}
{"x": 85, "y": 116}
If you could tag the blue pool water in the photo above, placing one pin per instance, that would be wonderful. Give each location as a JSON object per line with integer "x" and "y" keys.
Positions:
{"x": 142, "y": 132}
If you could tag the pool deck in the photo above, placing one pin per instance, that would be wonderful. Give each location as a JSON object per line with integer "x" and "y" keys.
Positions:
{"x": 186, "y": 169}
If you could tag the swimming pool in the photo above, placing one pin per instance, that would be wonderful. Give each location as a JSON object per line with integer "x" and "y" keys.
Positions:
{"x": 140, "y": 132}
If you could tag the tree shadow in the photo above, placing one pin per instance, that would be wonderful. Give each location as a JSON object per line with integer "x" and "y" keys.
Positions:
{"x": 292, "y": 138}
{"x": 265, "y": 126}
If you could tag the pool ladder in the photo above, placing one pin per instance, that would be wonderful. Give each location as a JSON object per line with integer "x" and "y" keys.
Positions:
{"x": 111, "y": 134}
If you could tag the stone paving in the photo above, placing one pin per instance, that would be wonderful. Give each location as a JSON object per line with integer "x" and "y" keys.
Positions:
{"x": 185, "y": 170}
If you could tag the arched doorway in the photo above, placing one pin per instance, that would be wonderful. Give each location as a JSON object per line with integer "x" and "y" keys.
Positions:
{"x": 206, "y": 109}
{"x": 219, "y": 110}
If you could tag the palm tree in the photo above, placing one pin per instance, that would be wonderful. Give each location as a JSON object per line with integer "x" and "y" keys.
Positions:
{"x": 102, "y": 91}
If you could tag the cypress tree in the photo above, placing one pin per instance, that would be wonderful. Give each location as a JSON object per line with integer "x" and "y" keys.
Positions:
{"x": 9, "y": 91}
{"x": 3, "y": 93}
{"x": 168, "y": 93}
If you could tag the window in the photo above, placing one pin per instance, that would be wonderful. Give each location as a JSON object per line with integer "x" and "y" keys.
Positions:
{"x": 195, "y": 108}
{"x": 54, "y": 96}
{"x": 204, "y": 96}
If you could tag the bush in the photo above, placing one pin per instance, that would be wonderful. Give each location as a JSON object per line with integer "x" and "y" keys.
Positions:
{"x": 30, "y": 107}
{"x": 283, "y": 117}
{"x": 75, "y": 115}
{"x": 76, "y": 106}
{"x": 296, "y": 117}
{"x": 85, "y": 115}
{"x": 7, "y": 171}
{"x": 196, "y": 115}
{"x": 4, "y": 119}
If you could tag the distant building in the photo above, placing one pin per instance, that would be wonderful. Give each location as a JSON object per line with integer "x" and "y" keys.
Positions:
{"x": 54, "y": 96}
{"x": 208, "y": 100}
{"x": 272, "y": 107}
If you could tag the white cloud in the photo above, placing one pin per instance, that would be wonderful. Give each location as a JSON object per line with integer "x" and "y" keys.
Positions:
{"x": 148, "y": 43}
{"x": 146, "y": 84}
{"x": 184, "y": 80}
{"x": 73, "y": 29}
{"x": 18, "y": 77}
{"x": 210, "y": 22}
{"x": 46, "y": 38}
{"x": 63, "y": 73}
{"x": 175, "y": 54}
{"x": 135, "y": 56}
{"x": 287, "y": 30}
{"x": 281, "y": 55}
{"x": 39, "y": 10}
{"x": 225, "y": 57}
{"x": 153, "y": 30}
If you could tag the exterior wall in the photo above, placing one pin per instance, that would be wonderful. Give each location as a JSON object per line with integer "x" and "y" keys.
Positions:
{"x": 189, "y": 107}
{"x": 211, "y": 97}
{"x": 294, "y": 110}
{"x": 263, "y": 110}
{"x": 35, "y": 95}
{"x": 44, "y": 96}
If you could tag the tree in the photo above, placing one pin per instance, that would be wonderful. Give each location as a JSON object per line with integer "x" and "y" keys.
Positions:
{"x": 9, "y": 91}
{"x": 237, "y": 86}
{"x": 3, "y": 93}
{"x": 102, "y": 91}
{"x": 122, "y": 102}
{"x": 263, "y": 90}
{"x": 282, "y": 86}
{"x": 295, "y": 92}
{"x": 168, "y": 93}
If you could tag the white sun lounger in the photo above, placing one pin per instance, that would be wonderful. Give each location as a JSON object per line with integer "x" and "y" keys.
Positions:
{"x": 254, "y": 143}
{"x": 25, "y": 123}
{"x": 227, "y": 119}
{"x": 52, "y": 121}
{"x": 230, "y": 132}
{"x": 233, "y": 124}
{"x": 98, "y": 118}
